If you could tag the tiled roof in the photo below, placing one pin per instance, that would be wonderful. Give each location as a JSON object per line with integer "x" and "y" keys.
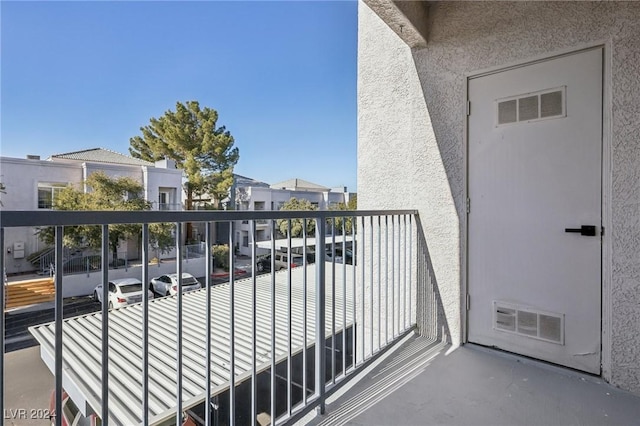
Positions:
{"x": 245, "y": 181}
{"x": 101, "y": 155}
{"x": 299, "y": 185}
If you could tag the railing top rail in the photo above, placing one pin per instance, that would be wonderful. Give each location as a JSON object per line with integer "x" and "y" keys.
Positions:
{"x": 15, "y": 218}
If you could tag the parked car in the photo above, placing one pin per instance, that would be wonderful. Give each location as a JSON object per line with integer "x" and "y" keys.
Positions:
{"x": 122, "y": 292}
{"x": 339, "y": 257}
{"x": 282, "y": 261}
{"x": 167, "y": 285}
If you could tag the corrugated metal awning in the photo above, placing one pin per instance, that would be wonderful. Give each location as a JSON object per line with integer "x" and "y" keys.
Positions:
{"x": 296, "y": 243}
{"x": 82, "y": 347}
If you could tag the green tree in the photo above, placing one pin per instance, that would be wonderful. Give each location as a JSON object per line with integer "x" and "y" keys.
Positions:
{"x": 352, "y": 204}
{"x": 122, "y": 194}
{"x": 191, "y": 137}
{"x": 297, "y": 224}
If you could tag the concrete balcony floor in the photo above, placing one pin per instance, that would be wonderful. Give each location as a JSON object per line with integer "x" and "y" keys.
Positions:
{"x": 428, "y": 383}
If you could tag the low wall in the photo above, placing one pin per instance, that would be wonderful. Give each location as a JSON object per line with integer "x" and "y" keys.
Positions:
{"x": 84, "y": 284}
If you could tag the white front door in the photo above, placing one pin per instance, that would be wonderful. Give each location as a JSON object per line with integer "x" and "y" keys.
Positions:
{"x": 534, "y": 181}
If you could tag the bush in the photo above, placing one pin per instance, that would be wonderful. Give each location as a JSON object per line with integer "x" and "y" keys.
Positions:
{"x": 221, "y": 256}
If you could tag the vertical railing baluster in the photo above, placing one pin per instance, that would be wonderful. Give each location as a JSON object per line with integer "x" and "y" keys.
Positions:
{"x": 410, "y": 264}
{"x": 393, "y": 280}
{"x": 304, "y": 312}
{"x": 379, "y": 285}
{"x": 145, "y": 324}
{"x": 399, "y": 271}
{"x": 404, "y": 264}
{"x": 208, "y": 270}
{"x": 333, "y": 300}
{"x": 320, "y": 356}
{"x": 386, "y": 280}
{"x": 344, "y": 295}
{"x": 179, "y": 324}
{"x": 105, "y": 320}
{"x": 401, "y": 291}
{"x": 274, "y": 413}
{"x": 362, "y": 307}
{"x": 232, "y": 333}
{"x": 3, "y": 298}
{"x": 289, "y": 307}
{"x": 254, "y": 303}
{"x": 371, "y": 265}
{"x": 59, "y": 316}
{"x": 354, "y": 246}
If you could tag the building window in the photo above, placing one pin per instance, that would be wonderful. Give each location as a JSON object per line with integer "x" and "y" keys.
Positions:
{"x": 165, "y": 200}
{"x": 133, "y": 195}
{"x": 47, "y": 194}
{"x": 245, "y": 240}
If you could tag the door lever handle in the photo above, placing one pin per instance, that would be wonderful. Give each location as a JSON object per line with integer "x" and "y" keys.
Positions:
{"x": 586, "y": 230}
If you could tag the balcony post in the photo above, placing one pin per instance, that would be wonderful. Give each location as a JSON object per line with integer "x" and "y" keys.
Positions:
{"x": 3, "y": 296}
{"x": 320, "y": 355}
{"x": 145, "y": 323}
{"x": 104, "y": 414}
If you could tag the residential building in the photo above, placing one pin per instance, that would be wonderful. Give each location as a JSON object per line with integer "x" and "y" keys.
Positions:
{"x": 254, "y": 195}
{"x": 32, "y": 184}
{"x": 512, "y": 128}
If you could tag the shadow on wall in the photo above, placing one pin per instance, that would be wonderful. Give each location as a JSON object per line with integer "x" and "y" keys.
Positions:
{"x": 430, "y": 316}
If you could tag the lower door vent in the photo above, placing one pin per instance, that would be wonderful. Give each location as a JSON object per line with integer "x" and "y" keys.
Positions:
{"x": 529, "y": 322}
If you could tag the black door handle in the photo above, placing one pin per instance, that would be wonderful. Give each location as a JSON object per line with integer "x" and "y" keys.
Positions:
{"x": 586, "y": 230}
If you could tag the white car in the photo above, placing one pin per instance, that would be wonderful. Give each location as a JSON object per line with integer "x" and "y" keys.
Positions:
{"x": 122, "y": 292}
{"x": 167, "y": 285}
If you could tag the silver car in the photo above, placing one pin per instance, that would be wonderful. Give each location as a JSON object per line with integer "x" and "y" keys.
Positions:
{"x": 167, "y": 285}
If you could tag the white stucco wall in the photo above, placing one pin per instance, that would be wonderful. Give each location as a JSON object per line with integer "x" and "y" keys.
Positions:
{"x": 405, "y": 162}
{"x": 275, "y": 197}
{"x": 21, "y": 178}
{"x": 156, "y": 178}
{"x": 400, "y": 164}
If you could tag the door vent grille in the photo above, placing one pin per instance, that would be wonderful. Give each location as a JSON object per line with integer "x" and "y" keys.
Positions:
{"x": 529, "y": 322}
{"x": 529, "y": 107}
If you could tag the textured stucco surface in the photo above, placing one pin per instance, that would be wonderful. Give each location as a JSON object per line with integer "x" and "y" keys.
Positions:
{"x": 407, "y": 18}
{"x": 399, "y": 162}
{"x": 405, "y": 161}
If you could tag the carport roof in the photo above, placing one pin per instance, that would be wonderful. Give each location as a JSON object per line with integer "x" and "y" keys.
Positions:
{"x": 82, "y": 348}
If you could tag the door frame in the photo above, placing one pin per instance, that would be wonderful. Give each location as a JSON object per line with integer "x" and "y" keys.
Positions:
{"x": 606, "y": 185}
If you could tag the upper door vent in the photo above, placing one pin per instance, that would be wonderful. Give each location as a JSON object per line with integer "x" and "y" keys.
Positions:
{"x": 542, "y": 105}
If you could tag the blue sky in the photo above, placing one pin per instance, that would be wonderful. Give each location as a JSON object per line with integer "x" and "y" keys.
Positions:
{"x": 282, "y": 76}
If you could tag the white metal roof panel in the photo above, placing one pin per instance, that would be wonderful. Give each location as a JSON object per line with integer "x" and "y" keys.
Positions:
{"x": 282, "y": 244}
{"x": 82, "y": 348}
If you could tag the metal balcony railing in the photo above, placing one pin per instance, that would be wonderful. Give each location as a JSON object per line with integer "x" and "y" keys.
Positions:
{"x": 268, "y": 348}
